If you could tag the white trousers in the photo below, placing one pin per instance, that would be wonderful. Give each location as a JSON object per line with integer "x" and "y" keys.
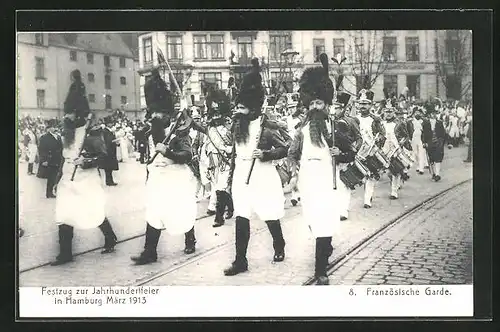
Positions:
{"x": 343, "y": 194}
{"x": 437, "y": 168}
{"x": 369, "y": 190}
{"x": 213, "y": 198}
{"x": 395, "y": 183}
{"x": 419, "y": 152}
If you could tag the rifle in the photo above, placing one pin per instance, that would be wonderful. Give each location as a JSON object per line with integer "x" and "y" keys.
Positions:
{"x": 334, "y": 165}
{"x": 262, "y": 121}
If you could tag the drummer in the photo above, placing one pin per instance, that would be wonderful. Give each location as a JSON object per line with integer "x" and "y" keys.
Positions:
{"x": 395, "y": 131}
{"x": 370, "y": 125}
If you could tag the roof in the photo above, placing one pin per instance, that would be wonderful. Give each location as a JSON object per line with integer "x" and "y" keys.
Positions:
{"x": 105, "y": 43}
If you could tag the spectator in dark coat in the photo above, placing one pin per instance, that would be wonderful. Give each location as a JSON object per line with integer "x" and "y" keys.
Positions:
{"x": 50, "y": 151}
{"x": 110, "y": 162}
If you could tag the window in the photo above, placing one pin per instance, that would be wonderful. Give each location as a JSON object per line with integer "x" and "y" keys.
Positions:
{"x": 245, "y": 50}
{"x": 122, "y": 62}
{"x": 359, "y": 48}
{"x": 452, "y": 45}
{"x": 217, "y": 46}
{"x": 453, "y": 87}
{"x": 123, "y": 100}
{"x": 390, "y": 49}
{"x": 412, "y": 52}
{"x": 338, "y": 46}
{"x": 277, "y": 44}
{"x": 286, "y": 81}
{"x": 107, "y": 61}
{"x": 147, "y": 44}
{"x": 38, "y": 39}
{"x": 413, "y": 84}
{"x": 123, "y": 80}
{"x": 319, "y": 47}
{"x": 210, "y": 80}
{"x": 200, "y": 47}
{"x": 174, "y": 47}
{"x": 40, "y": 98}
{"x": 108, "y": 102}
{"x": 40, "y": 68}
{"x": 391, "y": 84}
{"x": 91, "y": 77}
{"x": 107, "y": 82}
{"x": 91, "y": 98}
{"x": 90, "y": 58}
{"x": 72, "y": 55}
{"x": 238, "y": 78}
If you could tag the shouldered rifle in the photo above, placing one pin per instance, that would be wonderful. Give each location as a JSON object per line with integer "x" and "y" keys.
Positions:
{"x": 334, "y": 165}
{"x": 262, "y": 122}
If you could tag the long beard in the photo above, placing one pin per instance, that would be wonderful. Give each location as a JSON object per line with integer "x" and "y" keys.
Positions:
{"x": 157, "y": 130}
{"x": 241, "y": 128}
{"x": 317, "y": 127}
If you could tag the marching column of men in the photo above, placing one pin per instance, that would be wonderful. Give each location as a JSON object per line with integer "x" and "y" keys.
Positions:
{"x": 326, "y": 144}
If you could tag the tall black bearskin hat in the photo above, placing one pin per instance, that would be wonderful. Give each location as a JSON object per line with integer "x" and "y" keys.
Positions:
{"x": 252, "y": 91}
{"x": 192, "y": 99}
{"x": 218, "y": 104}
{"x": 341, "y": 99}
{"x": 158, "y": 97}
{"x": 315, "y": 83}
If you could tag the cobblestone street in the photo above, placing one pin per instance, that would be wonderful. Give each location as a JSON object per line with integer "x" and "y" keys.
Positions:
{"x": 430, "y": 246}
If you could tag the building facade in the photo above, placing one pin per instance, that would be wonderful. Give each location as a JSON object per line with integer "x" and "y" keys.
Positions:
{"x": 45, "y": 61}
{"x": 389, "y": 59}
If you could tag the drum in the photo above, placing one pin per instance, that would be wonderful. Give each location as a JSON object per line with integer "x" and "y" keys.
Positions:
{"x": 396, "y": 166}
{"x": 406, "y": 158}
{"x": 353, "y": 175}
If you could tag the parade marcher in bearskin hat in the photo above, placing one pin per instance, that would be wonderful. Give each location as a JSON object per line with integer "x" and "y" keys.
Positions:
{"x": 171, "y": 185}
{"x": 395, "y": 133}
{"x": 433, "y": 137}
{"x": 407, "y": 132}
{"x": 51, "y": 156}
{"x": 80, "y": 201}
{"x": 370, "y": 125}
{"x": 348, "y": 139}
{"x": 416, "y": 139}
{"x": 255, "y": 141}
{"x": 312, "y": 148}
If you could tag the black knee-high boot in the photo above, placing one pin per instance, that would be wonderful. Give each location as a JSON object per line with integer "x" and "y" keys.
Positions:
{"x": 149, "y": 255}
{"x": 240, "y": 264}
{"x": 219, "y": 209}
{"x": 190, "y": 242}
{"x": 278, "y": 240}
{"x": 229, "y": 204}
{"x": 324, "y": 250}
{"x": 109, "y": 237}
{"x": 65, "y": 245}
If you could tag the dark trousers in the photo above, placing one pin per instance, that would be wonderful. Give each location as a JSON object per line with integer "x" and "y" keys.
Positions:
{"x": 109, "y": 176}
{"x": 51, "y": 179}
{"x": 30, "y": 168}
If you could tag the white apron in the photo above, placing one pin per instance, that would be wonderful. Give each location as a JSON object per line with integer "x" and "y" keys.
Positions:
{"x": 79, "y": 203}
{"x": 170, "y": 196}
{"x": 319, "y": 200}
{"x": 453, "y": 130}
{"x": 264, "y": 194}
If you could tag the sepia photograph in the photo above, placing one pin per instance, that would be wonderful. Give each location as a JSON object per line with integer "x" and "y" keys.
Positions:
{"x": 244, "y": 158}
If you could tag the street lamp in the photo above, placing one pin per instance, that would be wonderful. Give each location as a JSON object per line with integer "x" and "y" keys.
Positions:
{"x": 289, "y": 56}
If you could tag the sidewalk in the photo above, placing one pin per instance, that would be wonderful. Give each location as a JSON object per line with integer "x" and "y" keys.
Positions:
{"x": 116, "y": 269}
